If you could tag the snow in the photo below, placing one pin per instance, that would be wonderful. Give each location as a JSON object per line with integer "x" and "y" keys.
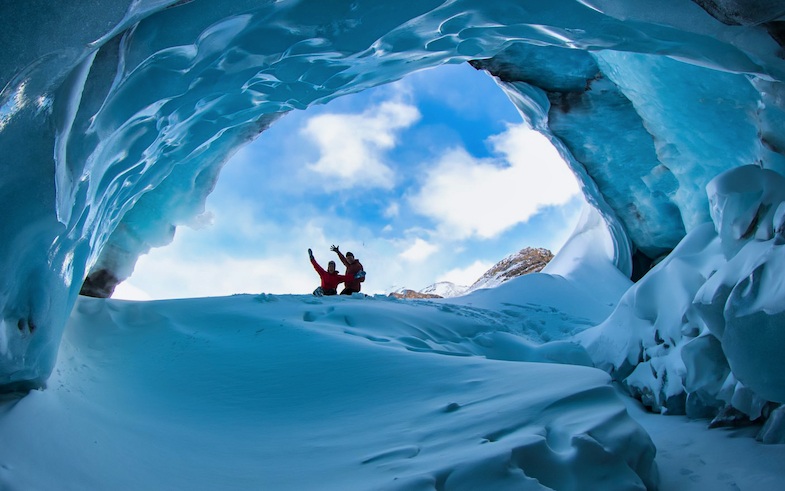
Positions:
{"x": 692, "y": 458}
{"x": 485, "y": 391}
{"x": 113, "y": 133}
{"x": 703, "y": 328}
{"x": 445, "y": 289}
{"x": 298, "y": 392}
{"x": 295, "y": 392}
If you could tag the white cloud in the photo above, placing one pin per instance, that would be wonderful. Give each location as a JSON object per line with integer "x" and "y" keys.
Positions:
{"x": 469, "y": 197}
{"x": 127, "y": 291}
{"x": 468, "y": 275}
{"x": 392, "y": 210}
{"x": 221, "y": 275}
{"x": 352, "y": 146}
{"x": 234, "y": 256}
{"x": 419, "y": 251}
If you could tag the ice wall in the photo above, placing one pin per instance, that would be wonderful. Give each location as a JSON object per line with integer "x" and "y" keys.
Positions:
{"x": 115, "y": 117}
{"x": 703, "y": 332}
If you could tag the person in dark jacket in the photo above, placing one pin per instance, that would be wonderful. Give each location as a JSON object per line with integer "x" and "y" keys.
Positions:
{"x": 355, "y": 274}
{"x": 330, "y": 278}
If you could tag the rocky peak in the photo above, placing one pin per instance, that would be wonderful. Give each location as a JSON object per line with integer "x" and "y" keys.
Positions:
{"x": 412, "y": 294}
{"x": 527, "y": 260}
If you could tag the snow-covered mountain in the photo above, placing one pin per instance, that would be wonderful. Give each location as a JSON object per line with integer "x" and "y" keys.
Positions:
{"x": 527, "y": 260}
{"x": 444, "y": 289}
{"x": 407, "y": 293}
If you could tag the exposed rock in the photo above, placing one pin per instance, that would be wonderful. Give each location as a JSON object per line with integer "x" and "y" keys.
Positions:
{"x": 99, "y": 284}
{"x": 730, "y": 417}
{"x": 527, "y": 260}
{"x": 410, "y": 294}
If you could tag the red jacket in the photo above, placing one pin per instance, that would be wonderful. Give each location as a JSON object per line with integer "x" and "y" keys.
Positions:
{"x": 330, "y": 281}
{"x": 351, "y": 269}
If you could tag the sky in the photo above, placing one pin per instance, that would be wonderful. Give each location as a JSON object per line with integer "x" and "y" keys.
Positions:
{"x": 430, "y": 178}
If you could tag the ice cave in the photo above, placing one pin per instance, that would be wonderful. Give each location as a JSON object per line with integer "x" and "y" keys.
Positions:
{"x": 116, "y": 118}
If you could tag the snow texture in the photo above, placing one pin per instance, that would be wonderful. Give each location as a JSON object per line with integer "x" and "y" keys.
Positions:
{"x": 445, "y": 289}
{"x": 362, "y": 393}
{"x": 293, "y": 392}
{"x": 704, "y": 329}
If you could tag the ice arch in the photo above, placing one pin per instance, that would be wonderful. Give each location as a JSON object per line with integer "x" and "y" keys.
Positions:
{"x": 116, "y": 117}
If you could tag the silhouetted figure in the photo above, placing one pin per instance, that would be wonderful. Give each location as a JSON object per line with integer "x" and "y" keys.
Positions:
{"x": 330, "y": 278}
{"x": 355, "y": 274}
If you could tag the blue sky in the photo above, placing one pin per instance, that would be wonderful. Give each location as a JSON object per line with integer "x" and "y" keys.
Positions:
{"x": 427, "y": 179}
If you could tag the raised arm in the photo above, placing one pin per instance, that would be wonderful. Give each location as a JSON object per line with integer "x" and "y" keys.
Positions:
{"x": 340, "y": 254}
{"x": 316, "y": 266}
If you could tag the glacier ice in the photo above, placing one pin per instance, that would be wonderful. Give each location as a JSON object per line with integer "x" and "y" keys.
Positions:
{"x": 116, "y": 117}
{"x": 703, "y": 331}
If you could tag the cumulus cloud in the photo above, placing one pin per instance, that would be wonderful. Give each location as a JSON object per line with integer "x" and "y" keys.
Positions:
{"x": 471, "y": 197}
{"x": 235, "y": 255}
{"x": 222, "y": 275}
{"x": 352, "y": 146}
{"x": 468, "y": 275}
{"x": 127, "y": 291}
{"x": 392, "y": 210}
{"x": 419, "y": 251}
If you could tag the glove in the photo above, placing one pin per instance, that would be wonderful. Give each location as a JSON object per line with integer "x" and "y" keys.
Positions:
{"x": 310, "y": 253}
{"x": 360, "y": 274}
{"x": 334, "y": 248}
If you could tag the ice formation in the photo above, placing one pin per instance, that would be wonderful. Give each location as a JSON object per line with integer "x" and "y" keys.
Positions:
{"x": 703, "y": 330}
{"x": 116, "y": 117}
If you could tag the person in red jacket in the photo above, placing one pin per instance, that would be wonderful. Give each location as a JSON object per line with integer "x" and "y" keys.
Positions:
{"x": 355, "y": 274}
{"x": 330, "y": 278}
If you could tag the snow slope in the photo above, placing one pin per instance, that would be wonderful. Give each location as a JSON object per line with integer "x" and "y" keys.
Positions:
{"x": 294, "y": 392}
{"x": 485, "y": 391}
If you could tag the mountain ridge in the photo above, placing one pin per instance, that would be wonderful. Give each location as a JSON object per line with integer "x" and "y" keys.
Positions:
{"x": 526, "y": 261}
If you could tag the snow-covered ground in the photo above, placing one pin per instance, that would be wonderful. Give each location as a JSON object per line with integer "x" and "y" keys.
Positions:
{"x": 351, "y": 393}
{"x": 693, "y": 458}
{"x": 486, "y": 391}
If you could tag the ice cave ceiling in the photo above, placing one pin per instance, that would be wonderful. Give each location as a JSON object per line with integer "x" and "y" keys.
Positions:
{"x": 116, "y": 116}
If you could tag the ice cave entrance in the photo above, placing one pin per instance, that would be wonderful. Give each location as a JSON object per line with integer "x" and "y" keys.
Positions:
{"x": 431, "y": 178}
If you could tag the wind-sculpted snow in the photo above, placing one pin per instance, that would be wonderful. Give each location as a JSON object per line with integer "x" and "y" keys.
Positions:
{"x": 703, "y": 332}
{"x": 294, "y": 392}
{"x": 116, "y": 117}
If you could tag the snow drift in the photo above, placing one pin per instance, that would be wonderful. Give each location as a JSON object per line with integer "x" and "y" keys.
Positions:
{"x": 295, "y": 392}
